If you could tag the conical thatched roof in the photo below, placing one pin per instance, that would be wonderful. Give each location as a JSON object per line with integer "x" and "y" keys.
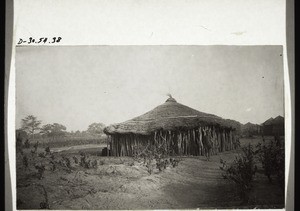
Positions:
{"x": 276, "y": 121}
{"x": 268, "y": 121}
{"x": 168, "y": 116}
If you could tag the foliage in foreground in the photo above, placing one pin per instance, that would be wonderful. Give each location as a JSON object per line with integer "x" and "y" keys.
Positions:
{"x": 241, "y": 172}
{"x": 271, "y": 157}
{"x": 155, "y": 156}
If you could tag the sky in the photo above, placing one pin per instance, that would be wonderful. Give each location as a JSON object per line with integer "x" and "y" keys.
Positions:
{"x": 79, "y": 85}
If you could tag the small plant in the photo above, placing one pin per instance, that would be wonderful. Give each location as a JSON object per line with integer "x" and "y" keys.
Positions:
{"x": 241, "y": 172}
{"x": 66, "y": 162}
{"x": 174, "y": 162}
{"x": 157, "y": 152}
{"x": 44, "y": 204}
{"x": 84, "y": 162}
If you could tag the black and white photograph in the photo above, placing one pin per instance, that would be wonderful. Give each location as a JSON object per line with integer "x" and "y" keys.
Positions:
{"x": 149, "y": 127}
{"x": 149, "y": 105}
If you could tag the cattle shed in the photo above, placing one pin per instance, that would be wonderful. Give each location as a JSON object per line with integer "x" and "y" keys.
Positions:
{"x": 180, "y": 128}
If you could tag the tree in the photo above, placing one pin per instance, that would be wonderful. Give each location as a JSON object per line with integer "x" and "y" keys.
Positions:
{"x": 30, "y": 124}
{"x": 46, "y": 129}
{"x": 58, "y": 129}
{"x": 96, "y": 128}
{"x": 54, "y": 129}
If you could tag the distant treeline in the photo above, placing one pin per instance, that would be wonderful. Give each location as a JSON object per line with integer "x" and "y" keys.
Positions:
{"x": 32, "y": 128}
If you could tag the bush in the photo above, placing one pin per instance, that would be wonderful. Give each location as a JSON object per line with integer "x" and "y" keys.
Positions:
{"x": 271, "y": 157}
{"x": 157, "y": 152}
{"x": 85, "y": 162}
{"x": 241, "y": 172}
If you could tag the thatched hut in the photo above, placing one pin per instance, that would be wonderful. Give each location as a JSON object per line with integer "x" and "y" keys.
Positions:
{"x": 180, "y": 128}
{"x": 273, "y": 126}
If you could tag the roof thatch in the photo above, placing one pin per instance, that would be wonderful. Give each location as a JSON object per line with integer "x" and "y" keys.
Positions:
{"x": 268, "y": 121}
{"x": 169, "y": 116}
{"x": 276, "y": 121}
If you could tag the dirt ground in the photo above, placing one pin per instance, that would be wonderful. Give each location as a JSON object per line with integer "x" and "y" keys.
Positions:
{"x": 122, "y": 183}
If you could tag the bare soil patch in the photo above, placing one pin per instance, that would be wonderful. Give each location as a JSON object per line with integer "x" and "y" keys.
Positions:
{"x": 122, "y": 183}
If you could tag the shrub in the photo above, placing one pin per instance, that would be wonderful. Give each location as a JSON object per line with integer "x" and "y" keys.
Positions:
{"x": 271, "y": 157}
{"x": 84, "y": 161}
{"x": 241, "y": 172}
{"x": 65, "y": 161}
{"x": 157, "y": 152}
{"x": 174, "y": 162}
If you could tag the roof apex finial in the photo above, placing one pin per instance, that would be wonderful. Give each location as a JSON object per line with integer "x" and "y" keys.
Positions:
{"x": 170, "y": 99}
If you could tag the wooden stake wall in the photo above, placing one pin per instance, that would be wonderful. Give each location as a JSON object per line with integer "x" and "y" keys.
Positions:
{"x": 183, "y": 142}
